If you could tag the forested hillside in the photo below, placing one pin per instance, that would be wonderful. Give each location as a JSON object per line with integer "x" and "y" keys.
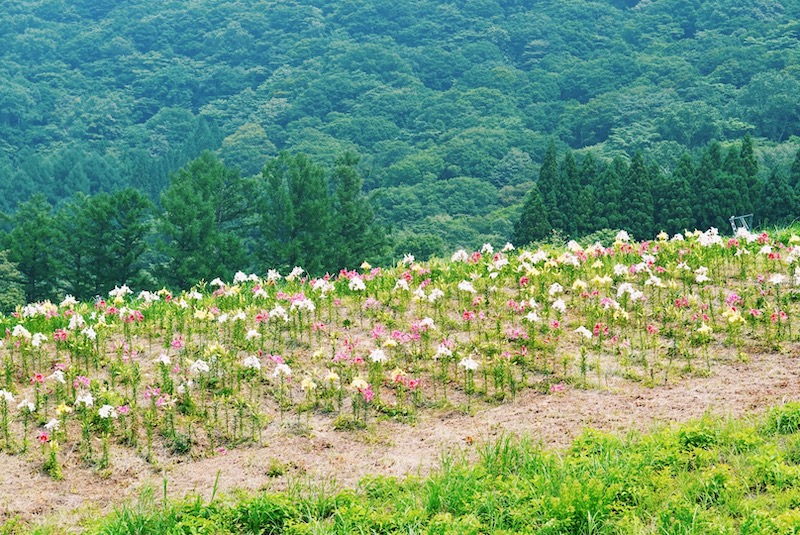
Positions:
{"x": 449, "y": 105}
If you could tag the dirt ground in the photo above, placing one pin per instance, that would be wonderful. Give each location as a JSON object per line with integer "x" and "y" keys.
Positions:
{"x": 308, "y": 449}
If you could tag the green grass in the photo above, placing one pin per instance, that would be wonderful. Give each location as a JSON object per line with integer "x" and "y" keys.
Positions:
{"x": 710, "y": 476}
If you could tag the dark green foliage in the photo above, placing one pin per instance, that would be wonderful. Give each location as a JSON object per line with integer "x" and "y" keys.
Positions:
{"x": 568, "y": 193}
{"x": 550, "y": 186}
{"x": 533, "y": 224}
{"x": 422, "y": 246}
{"x": 609, "y": 195}
{"x": 716, "y": 194}
{"x": 295, "y": 214}
{"x": 672, "y": 197}
{"x": 308, "y": 218}
{"x": 778, "y": 201}
{"x": 32, "y": 245}
{"x": 794, "y": 173}
{"x": 103, "y": 239}
{"x": 204, "y": 211}
{"x": 99, "y": 95}
{"x": 638, "y": 209}
{"x": 356, "y": 236}
{"x": 12, "y": 285}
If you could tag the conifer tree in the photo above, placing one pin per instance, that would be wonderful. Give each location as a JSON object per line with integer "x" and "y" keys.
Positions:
{"x": 533, "y": 224}
{"x": 778, "y": 200}
{"x": 205, "y": 208}
{"x": 32, "y": 246}
{"x": 127, "y": 217}
{"x": 638, "y": 199}
{"x": 295, "y": 221}
{"x": 585, "y": 207}
{"x": 12, "y": 290}
{"x": 356, "y": 235}
{"x": 568, "y": 191}
{"x": 747, "y": 157}
{"x": 794, "y": 173}
{"x": 549, "y": 185}
{"x": 608, "y": 192}
{"x": 746, "y": 176}
{"x": 674, "y": 207}
{"x": 588, "y": 171}
{"x": 79, "y": 239}
{"x": 715, "y": 193}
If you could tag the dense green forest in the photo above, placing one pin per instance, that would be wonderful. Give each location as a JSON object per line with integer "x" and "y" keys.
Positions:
{"x": 445, "y": 111}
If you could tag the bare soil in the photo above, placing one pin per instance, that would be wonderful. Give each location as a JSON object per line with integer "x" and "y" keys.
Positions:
{"x": 306, "y": 449}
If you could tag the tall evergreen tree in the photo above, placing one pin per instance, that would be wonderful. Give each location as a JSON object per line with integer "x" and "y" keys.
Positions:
{"x": 778, "y": 200}
{"x": 32, "y": 244}
{"x": 568, "y": 191}
{"x": 296, "y": 210}
{"x": 205, "y": 208}
{"x": 550, "y": 186}
{"x": 533, "y": 224}
{"x": 638, "y": 199}
{"x": 127, "y": 221}
{"x": 674, "y": 207}
{"x": 794, "y": 173}
{"x": 80, "y": 238}
{"x": 588, "y": 171}
{"x": 12, "y": 285}
{"x": 609, "y": 192}
{"x": 747, "y": 157}
{"x": 356, "y": 236}
{"x": 742, "y": 166}
{"x": 715, "y": 193}
{"x": 585, "y": 205}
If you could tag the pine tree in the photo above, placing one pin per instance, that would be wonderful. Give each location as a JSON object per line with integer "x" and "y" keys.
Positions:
{"x": 295, "y": 221}
{"x": 357, "y": 236}
{"x": 608, "y": 192}
{"x": 127, "y": 217}
{"x": 205, "y": 208}
{"x": 674, "y": 209}
{"x": 549, "y": 185}
{"x": 638, "y": 199}
{"x": 778, "y": 200}
{"x": 533, "y": 224}
{"x": 79, "y": 239}
{"x": 32, "y": 244}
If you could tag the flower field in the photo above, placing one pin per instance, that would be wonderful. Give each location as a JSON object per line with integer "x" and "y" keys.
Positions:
{"x": 192, "y": 377}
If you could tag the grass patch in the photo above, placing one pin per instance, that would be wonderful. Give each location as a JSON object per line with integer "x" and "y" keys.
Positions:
{"x": 711, "y": 476}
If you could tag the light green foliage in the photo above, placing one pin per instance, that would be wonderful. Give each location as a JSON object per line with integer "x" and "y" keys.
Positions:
{"x": 689, "y": 479}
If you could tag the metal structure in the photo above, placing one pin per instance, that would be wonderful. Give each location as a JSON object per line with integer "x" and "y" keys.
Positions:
{"x": 741, "y": 221}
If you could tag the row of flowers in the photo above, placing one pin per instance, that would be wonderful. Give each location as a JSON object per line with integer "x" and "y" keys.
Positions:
{"x": 211, "y": 367}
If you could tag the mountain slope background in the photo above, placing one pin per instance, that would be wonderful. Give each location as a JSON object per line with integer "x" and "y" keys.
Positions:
{"x": 450, "y": 105}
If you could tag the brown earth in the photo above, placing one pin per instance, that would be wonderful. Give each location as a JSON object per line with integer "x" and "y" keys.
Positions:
{"x": 307, "y": 450}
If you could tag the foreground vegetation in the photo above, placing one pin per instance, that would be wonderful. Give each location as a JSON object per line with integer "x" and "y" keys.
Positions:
{"x": 710, "y": 476}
